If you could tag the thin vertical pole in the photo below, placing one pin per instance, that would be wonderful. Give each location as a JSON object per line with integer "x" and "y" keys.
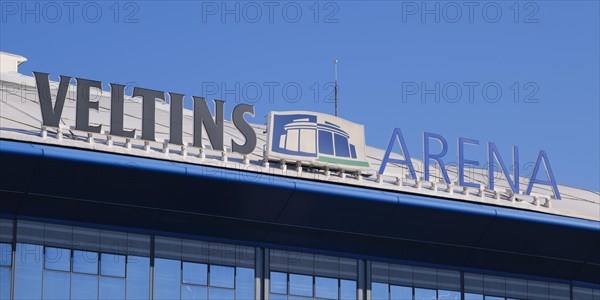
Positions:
{"x": 335, "y": 61}
{"x": 259, "y": 289}
{"x": 266, "y": 273}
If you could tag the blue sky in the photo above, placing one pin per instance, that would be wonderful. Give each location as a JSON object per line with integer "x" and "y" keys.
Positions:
{"x": 543, "y": 57}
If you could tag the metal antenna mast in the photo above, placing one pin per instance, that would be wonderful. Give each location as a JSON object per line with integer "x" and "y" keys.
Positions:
{"x": 335, "y": 61}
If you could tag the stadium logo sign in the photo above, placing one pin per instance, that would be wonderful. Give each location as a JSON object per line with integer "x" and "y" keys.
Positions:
{"x": 203, "y": 118}
{"x": 316, "y": 139}
{"x": 495, "y": 161}
{"x": 307, "y": 138}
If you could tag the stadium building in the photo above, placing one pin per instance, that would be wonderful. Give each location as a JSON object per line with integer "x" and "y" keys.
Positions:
{"x": 110, "y": 196}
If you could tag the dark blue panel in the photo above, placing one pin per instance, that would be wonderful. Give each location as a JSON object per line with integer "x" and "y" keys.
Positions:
{"x": 325, "y": 142}
{"x": 439, "y": 221}
{"x": 216, "y": 191}
{"x": 106, "y": 177}
{"x": 338, "y": 207}
{"x": 19, "y": 162}
{"x": 341, "y": 146}
{"x": 542, "y": 235}
{"x": 353, "y": 151}
{"x": 229, "y": 204}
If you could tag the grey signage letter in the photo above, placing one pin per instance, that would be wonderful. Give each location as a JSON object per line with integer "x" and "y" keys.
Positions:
{"x": 82, "y": 115}
{"x": 176, "y": 126}
{"x": 213, "y": 127}
{"x": 51, "y": 116}
{"x": 148, "y": 105}
{"x": 117, "y": 103}
{"x": 240, "y": 123}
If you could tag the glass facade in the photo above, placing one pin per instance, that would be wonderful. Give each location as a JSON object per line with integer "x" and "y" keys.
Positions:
{"x": 185, "y": 269}
{"x": 298, "y": 275}
{"x": 389, "y": 281}
{"x": 6, "y": 258}
{"x": 48, "y": 261}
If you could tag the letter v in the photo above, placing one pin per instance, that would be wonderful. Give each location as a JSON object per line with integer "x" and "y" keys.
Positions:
{"x": 50, "y": 115}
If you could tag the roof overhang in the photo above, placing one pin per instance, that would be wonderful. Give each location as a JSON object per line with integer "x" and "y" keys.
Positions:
{"x": 84, "y": 186}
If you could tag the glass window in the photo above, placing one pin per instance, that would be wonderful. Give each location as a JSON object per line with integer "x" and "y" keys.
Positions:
{"x": 194, "y": 273}
{"x": 469, "y": 296}
{"x": 347, "y": 289}
{"x": 244, "y": 283}
{"x": 493, "y": 298}
{"x": 193, "y": 292}
{"x": 326, "y": 288}
{"x": 452, "y": 295}
{"x": 112, "y": 265}
{"x": 278, "y": 297}
{"x": 218, "y": 293}
{"x": 379, "y": 291}
{"x": 425, "y": 294}
{"x": 221, "y": 276}
{"x": 167, "y": 278}
{"x": 325, "y": 142}
{"x": 352, "y": 151}
{"x": 5, "y": 281}
{"x": 112, "y": 288}
{"x": 300, "y": 285}
{"x": 57, "y": 285}
{"x": 85, "y": 262}
{"x": 84, "y": 286}
{"x": 57, "y": 259}
{"x": 5, "y": 254}
{"x": 278, "y": 283}
{"x": 138, "y": 277}
{"x": 401, "y": 292}
{"x": 341, "y": 146}
{"x": 28, "y": 271}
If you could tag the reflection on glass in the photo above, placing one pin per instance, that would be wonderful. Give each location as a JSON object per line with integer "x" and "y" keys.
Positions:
{"x": 138, "y": 277}
{"x": 194, "y": 273}
{"x": 244, "y": 283}
{"x": 469, "y": 296}
{"x": 84, "y": 286}
{"x": 379, "y": 291}
{"x": 56, "y": 285}
{"x": 221, "y": 276}
{"x": 493, "y": 298}
{"x": 193, "y": 292}
{"x": 300, "y": 285}
{"x": 452, "y": 295}
{"x": 57, "y": 259}
{"x": 166, "y": 278}
{"x": 347, "y": 289}
{"x": 217, "y": 293}
{"x": 425, "y": 294}
{"x": 112, "y": 265}
{"x": 5, "y": 254}
{"x": 85, "y": 262}
{"x": 326, "y": 288}
{"x": 278, "y": 283}
{"x": 4, "y": 281}
{"x": 401, "y": 292}
{"x": 112, "y": 288}
{"x": 28, "y": 271}
{"x": 277, "y": 297}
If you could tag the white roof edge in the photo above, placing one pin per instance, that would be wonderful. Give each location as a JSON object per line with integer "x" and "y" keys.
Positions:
{"x": 20, "y": 59}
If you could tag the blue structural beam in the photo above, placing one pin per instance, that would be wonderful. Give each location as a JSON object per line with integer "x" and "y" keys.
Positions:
{"x": 139, "y": 194}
